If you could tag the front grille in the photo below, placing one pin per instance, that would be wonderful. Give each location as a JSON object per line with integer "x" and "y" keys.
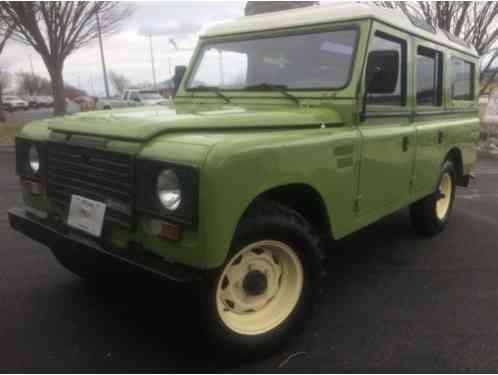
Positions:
{"x": 100, "y": 175}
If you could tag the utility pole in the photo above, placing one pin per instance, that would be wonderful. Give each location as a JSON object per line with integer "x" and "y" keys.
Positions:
{"x": 152, "y": 62}
{"x": 91, "y": 84}
{"x": 104, "y": 72}
{"x": 31, "y": 64}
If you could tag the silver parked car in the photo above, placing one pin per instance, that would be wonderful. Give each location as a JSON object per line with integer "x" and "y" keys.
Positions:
{"x": 13, "y": 103}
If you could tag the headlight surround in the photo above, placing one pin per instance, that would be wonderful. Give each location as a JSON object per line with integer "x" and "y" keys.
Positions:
{"x": 152, "y": 178}
{"x": 31, "y": 159}
{"x": 169, "y": 190}
{"x": 34, "y": 159}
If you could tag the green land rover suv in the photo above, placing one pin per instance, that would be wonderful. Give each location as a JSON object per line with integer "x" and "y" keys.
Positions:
{"x": 287, "y": 129}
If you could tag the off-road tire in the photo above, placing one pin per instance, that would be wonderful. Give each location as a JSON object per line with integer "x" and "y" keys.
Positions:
{"x": 274, "y": 222}
{"x": 423, "y": 214}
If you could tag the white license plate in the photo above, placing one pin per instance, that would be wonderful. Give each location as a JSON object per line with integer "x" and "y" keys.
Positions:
{"x": 86, "y": 215}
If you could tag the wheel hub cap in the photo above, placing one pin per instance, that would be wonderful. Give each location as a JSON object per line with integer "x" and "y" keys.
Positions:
{"x": 444, "y": 196}
{"x": 255, "y": 283}
{"x": 259, "y": 287}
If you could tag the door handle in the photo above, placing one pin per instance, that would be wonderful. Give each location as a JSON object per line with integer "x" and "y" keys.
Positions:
{"x": 440, "y": 136}
{"x": 406, "y": 143}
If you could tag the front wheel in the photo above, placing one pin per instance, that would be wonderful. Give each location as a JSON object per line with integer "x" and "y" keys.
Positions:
{"x": 430, "y": 215}
{"x": 265, "y": 288}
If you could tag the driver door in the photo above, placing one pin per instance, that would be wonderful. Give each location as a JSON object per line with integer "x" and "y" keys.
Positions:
{"x": 388, "y": 137}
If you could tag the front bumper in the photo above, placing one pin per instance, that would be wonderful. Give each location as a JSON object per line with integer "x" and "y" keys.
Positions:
{"x": 51, "y": 237}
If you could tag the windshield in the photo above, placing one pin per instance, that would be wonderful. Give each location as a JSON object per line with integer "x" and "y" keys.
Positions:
{"x": 305, "y": 61}
{"x": 150, "y": 96}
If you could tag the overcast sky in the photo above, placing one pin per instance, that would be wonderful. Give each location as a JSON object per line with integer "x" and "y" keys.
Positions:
{"x": 128, "y": 51}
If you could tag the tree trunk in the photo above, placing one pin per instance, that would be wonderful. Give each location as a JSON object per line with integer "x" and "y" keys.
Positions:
{"x": 55, "y": 71}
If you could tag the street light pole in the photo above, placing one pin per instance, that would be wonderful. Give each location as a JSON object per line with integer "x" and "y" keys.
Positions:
{"x": 31, "y": 65}
{"x": 152, "y": 62}
{"x": 104, "y": 72}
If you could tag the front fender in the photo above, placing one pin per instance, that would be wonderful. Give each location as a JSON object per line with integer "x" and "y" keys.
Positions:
{"x": 237, "y": 172}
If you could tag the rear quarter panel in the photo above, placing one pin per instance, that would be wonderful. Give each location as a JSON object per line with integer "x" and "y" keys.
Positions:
{"x": 462, "y": 131}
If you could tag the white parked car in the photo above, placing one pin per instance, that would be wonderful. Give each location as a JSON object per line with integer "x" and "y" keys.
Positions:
{"x": 133, "y": 98}
{"x": 13, "y": 103}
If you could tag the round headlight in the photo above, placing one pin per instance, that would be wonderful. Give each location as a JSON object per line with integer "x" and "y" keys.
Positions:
{"x": 168, "y": 190}
{"x": 34, "y": 159}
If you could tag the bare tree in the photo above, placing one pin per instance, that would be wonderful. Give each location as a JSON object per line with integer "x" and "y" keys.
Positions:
{"x": 119, "y": 81}
{"x": 33, "y": 84}
{"x": 57, "y": 29}
{"x": 5, "y": 80}
{"x": 5, "y": 34}
{"x": 475, "y": 22}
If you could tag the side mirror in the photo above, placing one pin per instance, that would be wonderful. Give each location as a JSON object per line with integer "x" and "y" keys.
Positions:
{"x": 381, "y": 76}
{"x": 382, "y": 72}
{"x": 177, "y": 78}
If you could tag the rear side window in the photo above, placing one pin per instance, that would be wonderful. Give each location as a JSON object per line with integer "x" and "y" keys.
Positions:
{"x": 429, "y": 77}
{"x": 462, "y": 79}
{"x": 384, "y": 42}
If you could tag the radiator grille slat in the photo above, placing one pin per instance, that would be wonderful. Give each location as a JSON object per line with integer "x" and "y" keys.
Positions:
{"x": 95, "y": 174}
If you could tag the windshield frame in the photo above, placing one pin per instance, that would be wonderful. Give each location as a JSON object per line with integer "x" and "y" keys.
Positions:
{"x": 269, "y": 34}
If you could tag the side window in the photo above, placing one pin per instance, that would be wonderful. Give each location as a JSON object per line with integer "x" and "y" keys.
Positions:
{"x": 125, "y": 96}
{"x": 462, "y": 79}
{"x": 384, "y": 42}
{"x": 429, "y": 77}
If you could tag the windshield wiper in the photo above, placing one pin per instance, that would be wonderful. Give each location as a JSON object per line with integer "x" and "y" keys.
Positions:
{"x": 269, "y": 86}
{"x": 213, "y": 89}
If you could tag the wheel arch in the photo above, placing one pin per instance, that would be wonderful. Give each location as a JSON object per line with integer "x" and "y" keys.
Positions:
{"x": 455, "y": 156}
{"x": 309, "y": 204}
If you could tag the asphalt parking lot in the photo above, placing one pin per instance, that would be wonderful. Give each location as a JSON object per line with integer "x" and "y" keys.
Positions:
{"x": 394, "y": 302}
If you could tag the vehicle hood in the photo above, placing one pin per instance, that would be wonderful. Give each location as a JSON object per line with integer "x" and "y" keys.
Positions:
{"x": 144, "y": 123}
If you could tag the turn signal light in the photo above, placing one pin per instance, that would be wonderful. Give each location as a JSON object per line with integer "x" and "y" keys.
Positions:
{"x": 163, "y": 229}
{"x": 33, "y": 187}
{"x": 171, "y": 231}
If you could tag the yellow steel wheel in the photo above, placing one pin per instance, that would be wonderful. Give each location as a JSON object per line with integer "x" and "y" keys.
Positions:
{"x": 259, "y": 287}
{"x": 445, "y": 190}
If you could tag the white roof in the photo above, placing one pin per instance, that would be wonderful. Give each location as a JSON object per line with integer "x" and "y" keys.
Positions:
{"x": 330, "y": 13}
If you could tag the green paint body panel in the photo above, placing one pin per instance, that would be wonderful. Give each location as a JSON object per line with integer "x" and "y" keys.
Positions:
{"x": 262, "y": 141}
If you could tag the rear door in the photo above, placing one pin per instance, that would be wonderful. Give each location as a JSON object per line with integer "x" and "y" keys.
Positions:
{"x": 388, "y": 136}
{"x": 430, "y": 115}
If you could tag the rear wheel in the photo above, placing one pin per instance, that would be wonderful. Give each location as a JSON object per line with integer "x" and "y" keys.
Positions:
{"x": 430, "y": 215}
{"x": 265, "y": 288}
